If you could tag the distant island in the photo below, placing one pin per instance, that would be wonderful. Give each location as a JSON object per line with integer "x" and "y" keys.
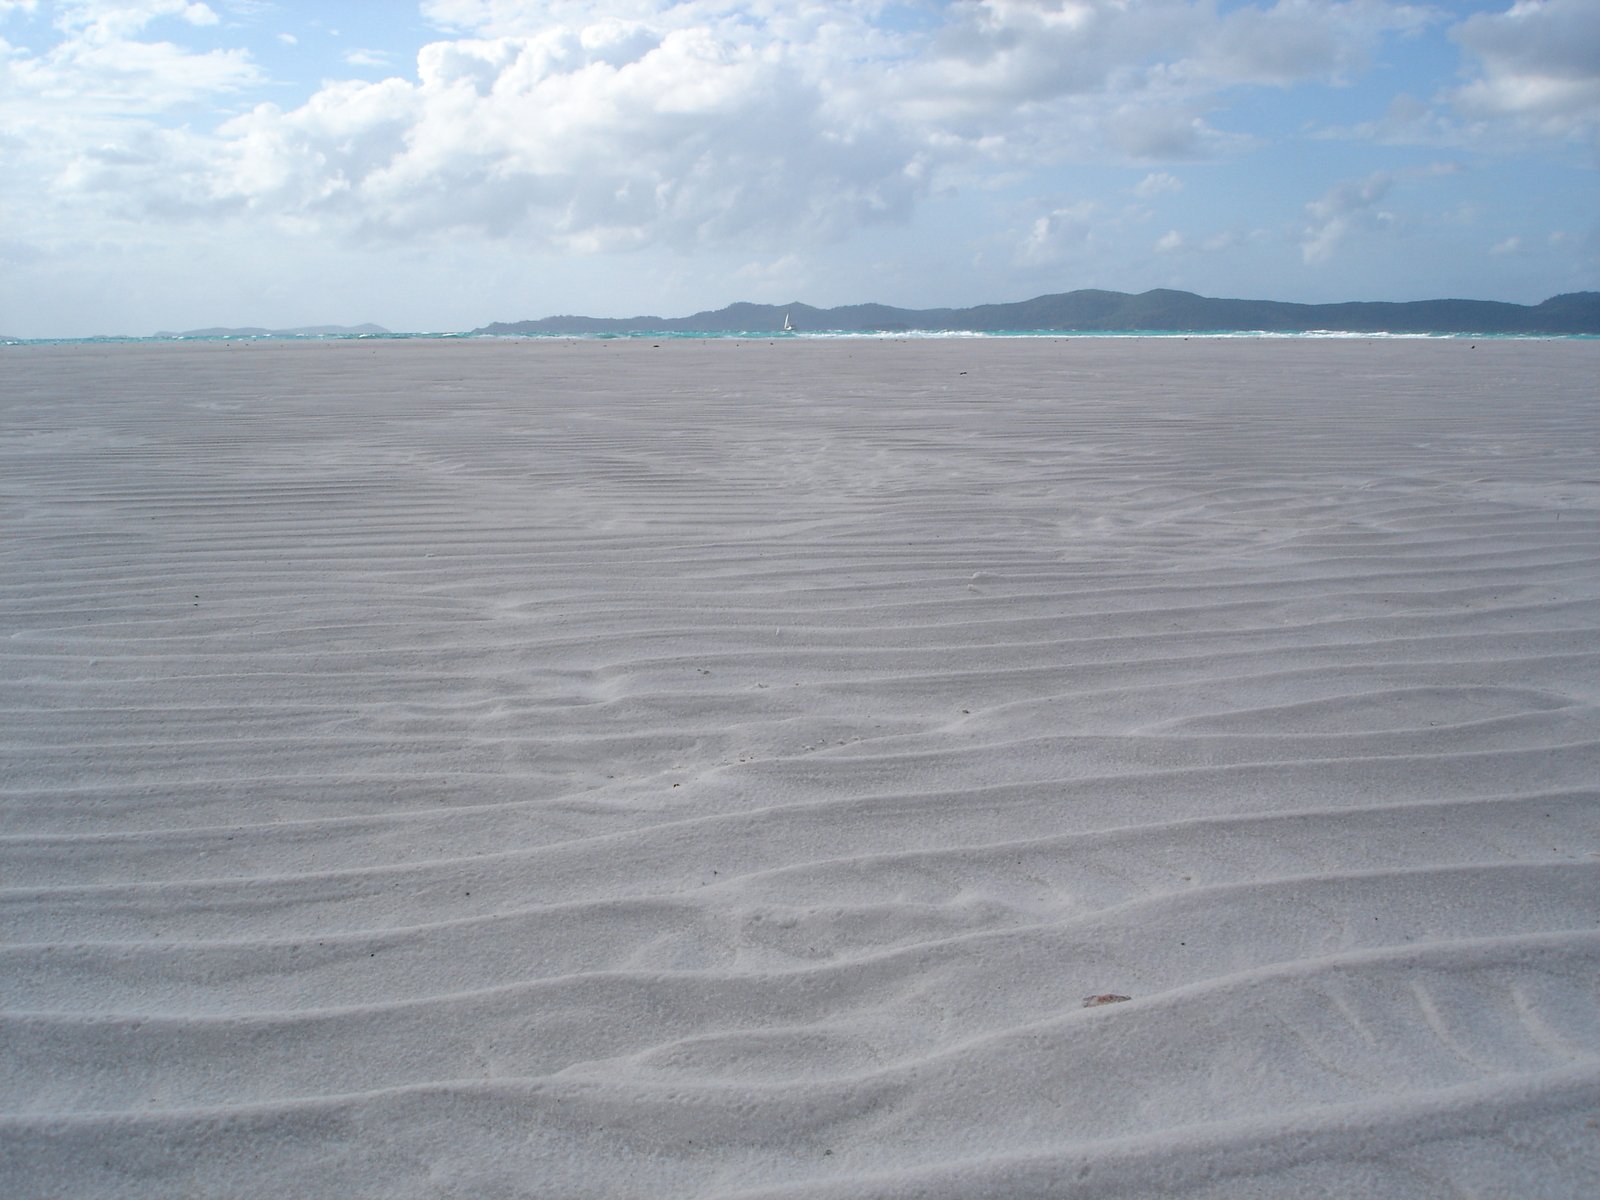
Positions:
{"x": 253, "y": 331}
{"x": 1161, "y": 310}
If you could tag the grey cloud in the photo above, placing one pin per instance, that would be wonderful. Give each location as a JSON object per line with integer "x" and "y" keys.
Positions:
{"x": 1556, "y": 39}
{"x": 1076, "y": 78}
{"x": 1298, "y": 40}
{"x": 1538, "y": 67}
{"x": 1160, "y": 134}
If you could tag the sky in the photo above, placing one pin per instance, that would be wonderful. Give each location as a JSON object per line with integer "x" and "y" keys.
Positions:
{"x": 168, "y": 165}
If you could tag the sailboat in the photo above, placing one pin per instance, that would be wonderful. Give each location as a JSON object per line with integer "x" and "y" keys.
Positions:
{"x": 787, "y": 328}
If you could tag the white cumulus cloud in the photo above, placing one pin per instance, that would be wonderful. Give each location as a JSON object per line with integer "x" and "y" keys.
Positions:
{"x": 590, "y": 126}
{"x": 596, "y": 126}
{"x": 588, "y": 137}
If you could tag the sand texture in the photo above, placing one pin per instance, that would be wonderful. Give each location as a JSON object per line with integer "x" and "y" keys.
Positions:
{"x": 546, "y": 769}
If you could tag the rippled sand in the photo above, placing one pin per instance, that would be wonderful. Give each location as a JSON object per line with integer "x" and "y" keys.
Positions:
{"x": 724, "y": 769}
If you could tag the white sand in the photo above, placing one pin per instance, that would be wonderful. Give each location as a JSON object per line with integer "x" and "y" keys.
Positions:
{"x": 595, "y": 769}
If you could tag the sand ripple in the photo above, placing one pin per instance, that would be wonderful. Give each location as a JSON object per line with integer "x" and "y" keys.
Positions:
{"x": 723, "y": 769}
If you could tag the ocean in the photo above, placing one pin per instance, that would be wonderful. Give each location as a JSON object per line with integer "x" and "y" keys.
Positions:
{"x": 809, "y": 335}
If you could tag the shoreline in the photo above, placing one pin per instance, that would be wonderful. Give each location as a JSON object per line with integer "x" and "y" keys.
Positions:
{"x": 824, "y": 335}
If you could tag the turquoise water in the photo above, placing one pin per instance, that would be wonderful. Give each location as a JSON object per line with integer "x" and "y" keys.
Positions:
{"x": 798, "y": 335}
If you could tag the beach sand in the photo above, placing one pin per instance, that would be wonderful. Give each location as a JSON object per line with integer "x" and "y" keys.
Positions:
{"x": 724, "y": 769}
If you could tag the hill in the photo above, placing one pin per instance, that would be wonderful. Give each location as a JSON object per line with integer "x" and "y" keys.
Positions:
{"x": 1102, "y": 311}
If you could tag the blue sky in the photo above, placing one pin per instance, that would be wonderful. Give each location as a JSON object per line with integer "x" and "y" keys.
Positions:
{"x": 169, "y": 164}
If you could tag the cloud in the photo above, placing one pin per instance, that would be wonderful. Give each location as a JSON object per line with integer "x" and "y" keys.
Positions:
{"x": 1032, "y": 51}
{"x": 1407, "y": 121}
{"x": 1175, "y": 242}
{"x": 112, "y": 20}
{"x": 766, "y": 275}
{"x": 1060, "y": 234}
{"x": 1159, "y": 133}
{"x": 574, "y": 125}
{"x": 585, "y": 138}
{"x": 1533, "y": 73}
{"x": 1017, "y": 79}
{"x": 1355, "y": 205}
{"x": 85, "y": 141}
{"x": 1345, "y": 207}
{"x": 1156, "y": 183}
{"x": 1538, "y": 67}
{"x": 101, "y": 68}
{"x": 1298, "y": 40}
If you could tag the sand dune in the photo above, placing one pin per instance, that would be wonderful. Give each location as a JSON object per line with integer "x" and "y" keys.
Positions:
{"x": 724, "y": 769}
